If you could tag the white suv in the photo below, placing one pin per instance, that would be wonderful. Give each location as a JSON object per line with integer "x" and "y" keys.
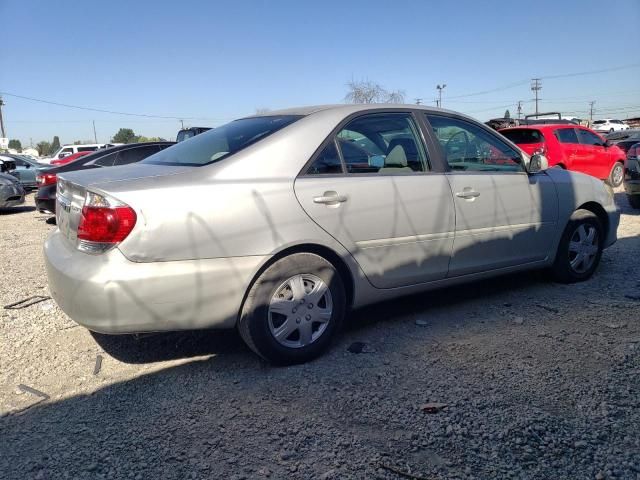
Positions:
{"x": 609, "y": 125}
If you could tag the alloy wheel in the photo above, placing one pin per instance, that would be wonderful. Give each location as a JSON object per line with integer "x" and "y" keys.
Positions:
{"x": 617, "y": 174}
{"x": 300, "y": 310}
{"x": 583, "y": 248}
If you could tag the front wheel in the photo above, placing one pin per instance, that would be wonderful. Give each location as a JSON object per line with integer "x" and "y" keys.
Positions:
{"x": 634, "y": 201}
{"x": 580, "y": 248}
{"x": 617, "y": 175}
{"x": 293, "y": 309}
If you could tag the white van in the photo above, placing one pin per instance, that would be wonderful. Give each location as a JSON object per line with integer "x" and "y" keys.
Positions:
{"x": 67, "y": 150}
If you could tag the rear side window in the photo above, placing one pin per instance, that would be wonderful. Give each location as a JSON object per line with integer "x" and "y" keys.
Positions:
{"x": 523, "y": 136}
{"x": 566, "y": 135}
{"x": 105, "y": 160}
{"x": 133, "y": 155}
{"x": 221, "y": 142}
{"x": 327, "y": 162}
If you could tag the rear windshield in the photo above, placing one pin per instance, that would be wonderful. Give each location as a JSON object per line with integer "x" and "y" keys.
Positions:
{"x": 523, "y": 135}
{"x": 221, "y": 142}
{"x": 599, "y": 122}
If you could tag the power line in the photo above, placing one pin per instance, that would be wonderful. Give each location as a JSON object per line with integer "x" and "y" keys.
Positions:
{"x": 90, "y": 109}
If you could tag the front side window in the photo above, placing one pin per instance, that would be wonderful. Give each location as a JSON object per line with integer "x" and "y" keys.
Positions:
{"x": 221, "y": 142}
{"x": 469, "y": 147}
{"x": 567, "y": 135}
{"x": 588, "y": 138}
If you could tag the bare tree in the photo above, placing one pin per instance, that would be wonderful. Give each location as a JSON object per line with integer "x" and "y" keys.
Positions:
{"x": 366, "y": 91}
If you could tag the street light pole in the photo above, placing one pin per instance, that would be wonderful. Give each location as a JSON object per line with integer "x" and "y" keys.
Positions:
{"x": 440, "y": 88}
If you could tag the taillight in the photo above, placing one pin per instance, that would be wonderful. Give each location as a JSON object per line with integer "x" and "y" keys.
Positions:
{"x": 104, "y": 223}
{"x": 44, "y": 179}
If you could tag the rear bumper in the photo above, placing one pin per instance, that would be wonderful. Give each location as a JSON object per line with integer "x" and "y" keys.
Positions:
{"x": 10, "y": 196}
{"x": 108, "y": 293}
{"x": 45, "y": 199}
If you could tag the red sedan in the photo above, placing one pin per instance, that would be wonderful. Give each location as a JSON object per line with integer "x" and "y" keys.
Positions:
{"x": 69, "y": 158}
{"x": 572, "y": 147}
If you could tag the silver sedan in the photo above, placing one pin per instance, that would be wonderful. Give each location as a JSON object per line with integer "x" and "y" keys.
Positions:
{"x": 279, "y": 224}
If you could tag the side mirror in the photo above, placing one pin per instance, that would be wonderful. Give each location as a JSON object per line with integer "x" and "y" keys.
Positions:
{"x": 538, "y": 163}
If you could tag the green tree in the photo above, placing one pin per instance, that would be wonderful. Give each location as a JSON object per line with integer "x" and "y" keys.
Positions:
{"x": 16, "y": 145}
{"x": 55, "y": 145}
{"x": 124, "y": 135}
{"x": 43, "y": 148}
{"x": 142, "y": 138}
{"x": 507, "y": 114}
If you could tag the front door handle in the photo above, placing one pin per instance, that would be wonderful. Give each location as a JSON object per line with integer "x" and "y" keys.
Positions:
{"x": 330, "y": 198}
{"x": 468, "y": 193}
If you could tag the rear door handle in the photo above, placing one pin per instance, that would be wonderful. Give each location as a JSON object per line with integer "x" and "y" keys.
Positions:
{"x": 330, "y": 198}
{"x": 468, "y": 193}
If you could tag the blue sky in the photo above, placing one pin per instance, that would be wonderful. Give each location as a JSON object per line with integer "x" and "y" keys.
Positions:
{"x": 215, "y": 61}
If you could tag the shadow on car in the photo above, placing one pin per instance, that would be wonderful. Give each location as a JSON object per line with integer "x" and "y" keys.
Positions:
{"x": 623, "y": 204}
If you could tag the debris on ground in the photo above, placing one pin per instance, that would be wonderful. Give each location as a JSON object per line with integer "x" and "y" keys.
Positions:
{"x": 421, "y": 322}
{"x": 361, "y": 347}
{"x": 26, "y": 302}
{"x": 98, "y": 365}
{"x": 433, "y": 407}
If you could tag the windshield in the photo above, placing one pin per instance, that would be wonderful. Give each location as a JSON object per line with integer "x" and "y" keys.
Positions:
{"x": 221, "y": 142}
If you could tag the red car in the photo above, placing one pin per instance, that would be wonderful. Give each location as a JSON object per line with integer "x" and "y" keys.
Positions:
{"x": 69, "y": 158}
{"x": 572, "y": 147}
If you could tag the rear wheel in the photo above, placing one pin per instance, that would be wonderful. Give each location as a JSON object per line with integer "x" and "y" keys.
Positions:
{"x": 634, "y": 201}
{"x": 617, "y": 175}
{"x": 293, "y": 309}
{"x": 580, "y": 248}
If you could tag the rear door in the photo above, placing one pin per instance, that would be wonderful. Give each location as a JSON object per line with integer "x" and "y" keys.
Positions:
{"x": 568, "y": 145}
{"x": 593, "y": 158}
{"x": 372, "y": 187}
{"x": 504, "y": 216}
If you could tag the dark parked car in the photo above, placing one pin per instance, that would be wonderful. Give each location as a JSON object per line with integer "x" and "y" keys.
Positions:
{"x": 624, "y": 139}
{"x": 632, "y": 175}
{"x": 110, "y": 157}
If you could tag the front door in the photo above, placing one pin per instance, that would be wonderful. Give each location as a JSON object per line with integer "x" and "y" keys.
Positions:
{"x": 371, "y": 187}
{"x": 594, "y": 158}
{"x": 504, "y": 216}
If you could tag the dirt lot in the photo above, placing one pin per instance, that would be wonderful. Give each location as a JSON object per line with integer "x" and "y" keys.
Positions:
{"x": 541, "y": 381}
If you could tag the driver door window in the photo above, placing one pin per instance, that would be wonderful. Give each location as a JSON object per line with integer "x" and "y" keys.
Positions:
{"x": 468, "y": 147}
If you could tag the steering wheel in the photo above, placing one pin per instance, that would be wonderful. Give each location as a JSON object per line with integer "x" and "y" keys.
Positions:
{"x": 448, "y": 149}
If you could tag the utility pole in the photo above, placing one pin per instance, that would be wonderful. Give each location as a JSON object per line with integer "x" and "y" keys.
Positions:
{"x": 591, "y": 112}
{"x": 440, "y": 88}
{"x": 4, "y": 135}
{"x": 536, "y": 86}
{"x": 519, "y": 109}
{"x": 182, "y": 123}
{"x": 418, "y": 101}
{"x": 95, "y": 137}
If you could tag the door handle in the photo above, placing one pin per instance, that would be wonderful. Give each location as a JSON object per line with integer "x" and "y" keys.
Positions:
{"x": 468, "y": 194}
{"x": 331, "y": 199}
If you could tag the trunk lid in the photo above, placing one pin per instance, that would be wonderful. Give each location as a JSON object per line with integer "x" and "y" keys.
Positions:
{"x": 72, "y": 188}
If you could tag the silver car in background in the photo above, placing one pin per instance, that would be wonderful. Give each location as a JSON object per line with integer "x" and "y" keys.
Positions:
{"x": 278, "y": 224}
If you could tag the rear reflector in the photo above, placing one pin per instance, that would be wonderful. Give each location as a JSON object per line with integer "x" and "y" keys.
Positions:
{"x": 104, "y": 223}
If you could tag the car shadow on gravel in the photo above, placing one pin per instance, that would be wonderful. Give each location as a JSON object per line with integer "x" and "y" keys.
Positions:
{"x": 160, "y": 347}
{"x": 15, "y": 210}
{"x": 622, "y": 203}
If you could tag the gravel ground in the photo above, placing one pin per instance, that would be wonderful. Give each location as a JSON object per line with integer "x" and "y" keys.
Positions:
{"x": 540, "y": 381}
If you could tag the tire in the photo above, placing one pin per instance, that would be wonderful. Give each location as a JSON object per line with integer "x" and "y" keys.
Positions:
{"x": 565, "y": 269}
{"x": 293, "y": 285}
{"x": 616, "y": 176}
{"x": 634, "y": 201}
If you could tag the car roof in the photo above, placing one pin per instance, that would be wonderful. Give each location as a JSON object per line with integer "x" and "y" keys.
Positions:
{"x": 544, "y": 126}
{"x": 349, "y": 108}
